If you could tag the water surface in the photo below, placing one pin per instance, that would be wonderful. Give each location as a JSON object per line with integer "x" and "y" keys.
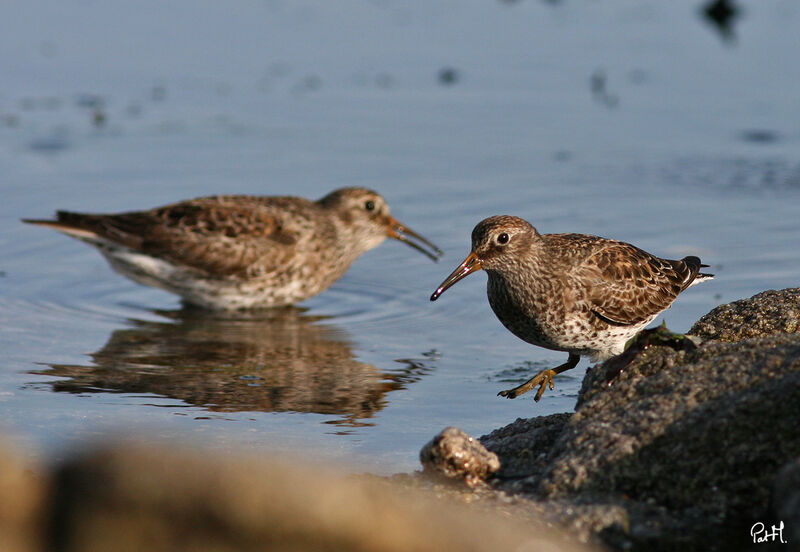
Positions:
{"x": 636, "y": 121}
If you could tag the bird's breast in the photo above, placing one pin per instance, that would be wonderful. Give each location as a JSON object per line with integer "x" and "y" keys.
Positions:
{"x": 525, "y": 311}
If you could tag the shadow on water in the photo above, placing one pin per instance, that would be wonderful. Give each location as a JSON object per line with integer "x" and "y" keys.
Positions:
{"x": 271, "y": 361}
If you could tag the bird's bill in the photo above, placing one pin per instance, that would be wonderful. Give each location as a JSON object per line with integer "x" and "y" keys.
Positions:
{"x": 401, "y": 232}
{"x": 471, "y": 264}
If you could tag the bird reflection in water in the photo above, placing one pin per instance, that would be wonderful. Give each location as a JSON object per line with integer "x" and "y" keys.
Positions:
{"x": 271, "y": 361}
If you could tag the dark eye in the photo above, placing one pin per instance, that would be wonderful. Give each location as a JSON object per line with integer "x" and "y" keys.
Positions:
{"x": 369, "y": 205}
{"x": 502, "y": 239}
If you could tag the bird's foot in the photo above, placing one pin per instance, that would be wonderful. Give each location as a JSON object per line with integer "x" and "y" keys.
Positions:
{"x": 542, "y": 379}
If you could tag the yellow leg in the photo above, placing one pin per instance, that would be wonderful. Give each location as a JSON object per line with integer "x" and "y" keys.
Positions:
{"x": 542, "y": 379}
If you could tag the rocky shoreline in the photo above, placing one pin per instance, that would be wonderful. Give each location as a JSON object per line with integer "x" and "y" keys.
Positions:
{"x": 680, "y": 442}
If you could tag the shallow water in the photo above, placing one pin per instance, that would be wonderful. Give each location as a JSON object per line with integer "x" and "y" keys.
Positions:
{"x": 636, "y": 121}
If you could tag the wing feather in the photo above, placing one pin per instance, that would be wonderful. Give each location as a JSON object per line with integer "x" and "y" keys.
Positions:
{"x": 237, "y": 236}
{"x": 628, "y": 286}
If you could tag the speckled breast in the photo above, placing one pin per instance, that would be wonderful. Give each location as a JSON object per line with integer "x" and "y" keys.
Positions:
{"x": 526, "y": 316}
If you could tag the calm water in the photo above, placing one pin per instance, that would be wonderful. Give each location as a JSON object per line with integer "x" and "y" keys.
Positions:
{"x": 636, "y": 121}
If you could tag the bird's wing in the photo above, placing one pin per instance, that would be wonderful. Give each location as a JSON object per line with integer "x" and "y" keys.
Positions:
{"x": 627, "y": 286}
{"x": 236, "y": 236}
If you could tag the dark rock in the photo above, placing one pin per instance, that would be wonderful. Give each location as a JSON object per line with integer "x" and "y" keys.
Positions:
{"x": 603, "y": 375}
{"x": 525, "y": 444}
{"x": 786, "y": 501}
{"x": 768, "y": 313}
{"x": 456, "y": 455}
{"x": 705, "y": 430}
{"x": 677, "y": 443}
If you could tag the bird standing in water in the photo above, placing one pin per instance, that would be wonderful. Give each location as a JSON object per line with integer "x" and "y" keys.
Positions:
{"x": 581, "y": 294}
{"x": 239, "y": 251}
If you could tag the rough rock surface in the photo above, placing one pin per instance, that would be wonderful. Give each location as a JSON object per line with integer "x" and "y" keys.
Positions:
{"x": 519, "y": 454}
{"x": 675, "y": 445}
{"x": 456, "y": 455}
{"x": 769, "y": 312}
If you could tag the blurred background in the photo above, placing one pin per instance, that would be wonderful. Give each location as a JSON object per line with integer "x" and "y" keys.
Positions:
{"x": 671, "y": 125}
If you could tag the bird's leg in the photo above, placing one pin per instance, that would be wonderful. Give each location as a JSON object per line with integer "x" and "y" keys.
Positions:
{"x": 542, "y": 379}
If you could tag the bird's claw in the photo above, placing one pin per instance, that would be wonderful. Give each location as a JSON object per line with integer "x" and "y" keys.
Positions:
{"x": 543, "y": 379}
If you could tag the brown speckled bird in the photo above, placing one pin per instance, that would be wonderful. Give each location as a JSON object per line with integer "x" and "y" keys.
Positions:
{"x": 581, "y": 294}
{"x": 236, "y": 251}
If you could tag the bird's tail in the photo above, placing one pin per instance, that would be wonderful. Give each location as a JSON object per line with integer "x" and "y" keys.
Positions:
{"x": 693, "y": 275}
{"x": 74, "y": 224}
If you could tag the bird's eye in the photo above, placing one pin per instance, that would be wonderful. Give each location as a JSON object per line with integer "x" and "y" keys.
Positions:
{"x": 369, "y": 205}
{"x": 502, "y": 239}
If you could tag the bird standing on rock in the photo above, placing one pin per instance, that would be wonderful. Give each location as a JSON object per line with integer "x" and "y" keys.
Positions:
{"x": 581, "y": 294}
{"x": 239, "y": 251}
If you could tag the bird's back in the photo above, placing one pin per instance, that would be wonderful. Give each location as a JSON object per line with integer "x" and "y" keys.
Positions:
{"x": 218, "y": 251}
{"x": 220, "y": 236}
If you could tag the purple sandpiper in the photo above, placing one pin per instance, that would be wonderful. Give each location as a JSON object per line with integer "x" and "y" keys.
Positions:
{"x": 581, "y": 294}
{"x": 239, "y": 251}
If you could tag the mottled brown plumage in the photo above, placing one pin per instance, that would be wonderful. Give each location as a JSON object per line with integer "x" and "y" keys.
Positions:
{"x": 585, "y": 295}
{"x": 237, "y": 251}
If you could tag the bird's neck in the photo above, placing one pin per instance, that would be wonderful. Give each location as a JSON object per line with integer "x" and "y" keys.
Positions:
{"x": 519, "y": 279}
{"x": 354, "y": 239}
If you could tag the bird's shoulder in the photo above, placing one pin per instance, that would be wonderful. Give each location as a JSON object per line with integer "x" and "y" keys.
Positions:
{"x": 279, "y": 219}
{"x": 624, "y": 284}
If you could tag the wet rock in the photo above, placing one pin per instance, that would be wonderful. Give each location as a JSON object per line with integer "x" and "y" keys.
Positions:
{"x": 604, "y": 375}
{"x": 519, "y": 442}
{"x": 680, "y": 445}
{"x": 768, "y": 313}
{"x": 525, "y": 443}
{"x": 456, "y": 455}
{"x": 687, "y": 429}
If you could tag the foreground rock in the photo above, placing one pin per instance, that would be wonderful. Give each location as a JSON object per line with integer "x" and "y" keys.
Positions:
{"x": 134, "y": 498}
{"x": 786, "y": 501}
{"x": 678, "y": 446}
{"x": 22, "y": 504}
{"x": 456, "y": 455}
